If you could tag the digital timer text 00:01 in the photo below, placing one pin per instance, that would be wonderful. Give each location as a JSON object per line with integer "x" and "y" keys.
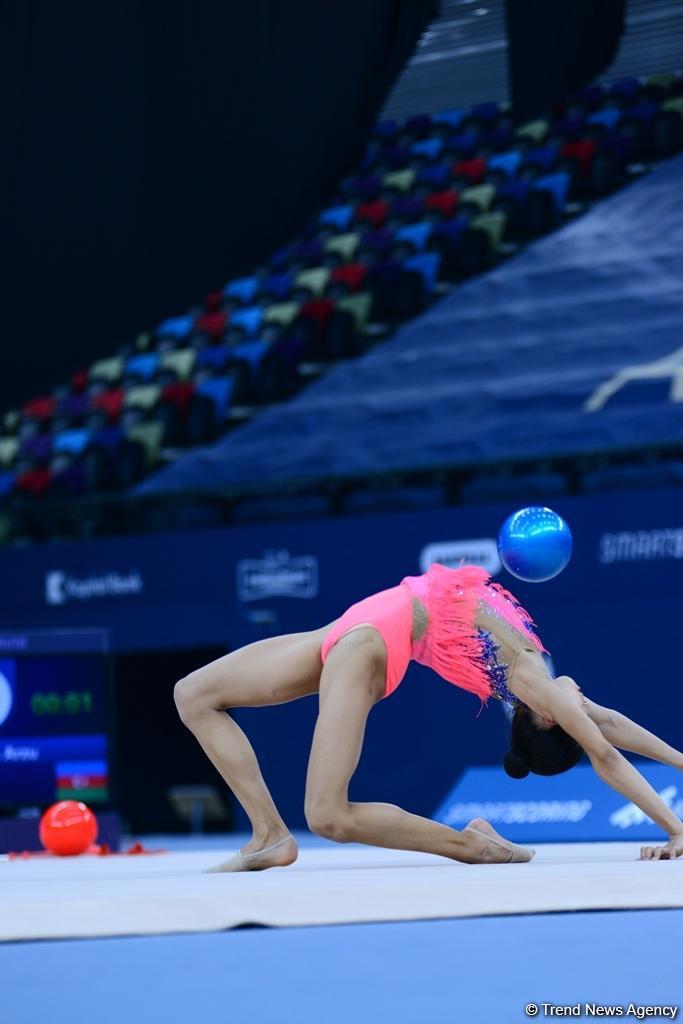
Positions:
{"x": 71, "y": 703}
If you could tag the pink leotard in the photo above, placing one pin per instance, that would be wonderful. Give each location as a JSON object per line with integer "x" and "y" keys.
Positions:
{"x": 448, "y": 602}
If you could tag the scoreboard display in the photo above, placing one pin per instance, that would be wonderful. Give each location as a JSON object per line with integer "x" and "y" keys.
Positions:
{"x": 55, "y": 717}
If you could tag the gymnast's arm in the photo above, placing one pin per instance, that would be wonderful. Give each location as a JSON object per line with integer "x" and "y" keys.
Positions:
{"x": 621, "y": 732}
{"x": 611, "y": 766}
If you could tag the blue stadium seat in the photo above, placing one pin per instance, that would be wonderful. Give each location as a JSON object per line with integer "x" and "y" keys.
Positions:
{"x": 6, "y": 482}
{"x": 278, "y": 286}
{"x": 435, "y": 176}
{"x": 485, "y": 111}
{"x": 337, "y": 216}
{"x": 451, "y": 118}
{"x": 242, "y": 288}
{"x": 72, "y": 441}
{"x": 108, "y": 437}
{"x": 251, "y": 352}
{"x": 558, "y": 184}
{"x": 628, "y": 87}
{"x": 386, "y": 129}
{"x": 608, "y": 117}
{"x": 177, "y": 327}
{"x": 427, "y": 264}
{"x": 463, "y": 143}
{"x": 219, "y": 390}
{"x": 508, "y": 162}
{"x": 144, "y": 366}
{"x": 430, "y": 148}
{"x": 249, "y": 319}
{"x": 416, "y": 234}
{"x": 542, "y": 156}
{"x": 214, "y": 357}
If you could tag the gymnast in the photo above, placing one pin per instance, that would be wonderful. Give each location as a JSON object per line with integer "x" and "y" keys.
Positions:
{"x": 475, "y": 635}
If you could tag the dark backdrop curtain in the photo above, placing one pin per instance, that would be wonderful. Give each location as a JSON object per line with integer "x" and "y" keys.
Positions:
{"x": 558, "y": 46}
{"x": 155, "y": 149}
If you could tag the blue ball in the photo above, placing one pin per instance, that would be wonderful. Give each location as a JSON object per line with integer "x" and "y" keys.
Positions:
{"x": 535, "y": 544}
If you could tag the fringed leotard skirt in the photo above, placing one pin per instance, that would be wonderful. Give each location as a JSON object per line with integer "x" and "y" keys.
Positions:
{"x": 455, "y": 621}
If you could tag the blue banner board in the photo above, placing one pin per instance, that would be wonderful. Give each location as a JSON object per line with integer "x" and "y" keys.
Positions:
{"x": 574, "y": 807}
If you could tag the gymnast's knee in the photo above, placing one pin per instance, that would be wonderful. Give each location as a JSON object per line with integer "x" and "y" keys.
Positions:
{"x": 329, "y": 821}
{"x": 190, "y": 700}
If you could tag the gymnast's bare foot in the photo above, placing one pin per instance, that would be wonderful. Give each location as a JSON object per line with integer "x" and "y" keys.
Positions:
{"x": 258, "y": 857}
{"x": 488, "y": 847}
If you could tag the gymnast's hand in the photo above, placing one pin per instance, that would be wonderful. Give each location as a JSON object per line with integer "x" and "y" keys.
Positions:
{"x": 673, "y": 849}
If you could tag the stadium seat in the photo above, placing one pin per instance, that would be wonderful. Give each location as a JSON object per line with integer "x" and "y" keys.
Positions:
{"x": 40, "y": 408}
{"x": 435, "y": 176}
{"x": 176, "y": 327}
{"x": 430, "y": 149}
{"x": 109, "y": 402}
{"x": 310, "y": 284}
{"x": 450, "y": 119}
{"x": 473, "y": 170}
{"x": 246, "y": 322}
{"x": 180, "y": 362}
{"x": 479, "y": 197}
{"x": 244, "y": 289}
{"x": 143, "y": 367}
{"x": 219, "y": 391}
{"x": 277, "y": 286}
{"x": 72, "y": 441}
{"x": 145, "y": 396}
{"x": 535, "y": 131}
{"x": 557, "y": 184}
{"x": 37, "y": 448}
{"x": 344, "y": 245}
{"x": 444, "y": 202}
{"x": 426, "y": 264}
{"x": 107, "y": 370}
{"x": 337, "y": 216}
{"x": 9, "y": 446}
{"x": 351, "y": 275}
{"x": 415, "y": 236}
{"x": 212, "y": 325}
{"x": 508, "y": 162}
{"x": 400, "y": 181}
{"x": 282, "y": 313}
{"x": 35, "y": 482}
{"x": 374, "y": 212}
{"x": 7, "y": 481}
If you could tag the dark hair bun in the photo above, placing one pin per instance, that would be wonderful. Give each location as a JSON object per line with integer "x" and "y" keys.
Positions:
{"x": 516, "y": 764}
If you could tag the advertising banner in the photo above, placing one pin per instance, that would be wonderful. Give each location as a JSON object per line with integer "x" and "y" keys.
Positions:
{"x": 573, "y": 807}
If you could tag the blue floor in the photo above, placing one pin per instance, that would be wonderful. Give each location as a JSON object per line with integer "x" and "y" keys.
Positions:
{"x": 469, "y": 971}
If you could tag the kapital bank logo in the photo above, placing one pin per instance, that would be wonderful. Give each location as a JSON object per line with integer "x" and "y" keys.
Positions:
{"x": 277, "y": 574}
{"x": 482, "y": 551}
{"x": 60, "y": 587}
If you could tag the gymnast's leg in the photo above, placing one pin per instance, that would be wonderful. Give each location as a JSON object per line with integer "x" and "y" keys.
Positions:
{"x": 267, "y": 672}
{"x": 352, "y": 681}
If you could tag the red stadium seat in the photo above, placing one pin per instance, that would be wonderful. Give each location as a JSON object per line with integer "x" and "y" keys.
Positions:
{"x": 109, "y": 402}
{"x": 35, "y": 481}
{"x": 583, "y": 151}
{"x": 374, "y": 212}
{"x": 351, "y": 274}
{"x": 79, "y": 381}
{"x": 443, "y": 202}
{"x": 319, "y": 312}
{"x": 40, "y": 408}
{"x": 179, "y": 394}
{"x": 473, "y": 169}
{"x": 212, "y": 324}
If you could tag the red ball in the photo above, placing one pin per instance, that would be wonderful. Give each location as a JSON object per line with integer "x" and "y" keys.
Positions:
{"x": 68, "y": 828}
